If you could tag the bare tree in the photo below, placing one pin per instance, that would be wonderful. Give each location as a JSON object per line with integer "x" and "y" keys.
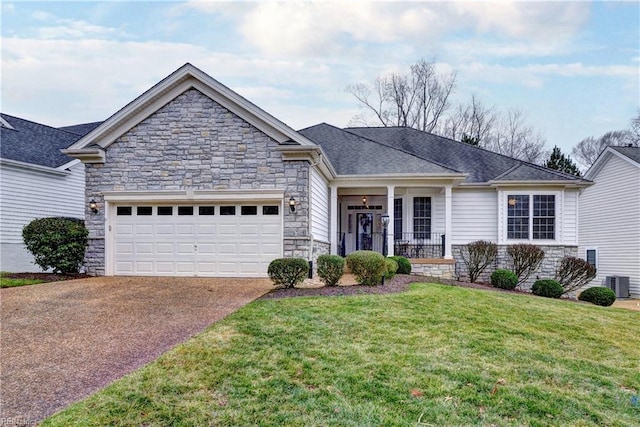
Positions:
{"x": 473, "y": 121}
{"x": 417, "y": 99}
{"x": 587, "y": 151}
{"x": 514, "y": 138}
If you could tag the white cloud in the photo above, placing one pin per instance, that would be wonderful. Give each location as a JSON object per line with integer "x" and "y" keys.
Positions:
{"x": 324, "y": 28}
{"x": 67, "y": 28}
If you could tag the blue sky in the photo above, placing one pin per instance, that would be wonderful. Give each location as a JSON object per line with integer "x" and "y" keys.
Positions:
{"x": 572, "y": 67}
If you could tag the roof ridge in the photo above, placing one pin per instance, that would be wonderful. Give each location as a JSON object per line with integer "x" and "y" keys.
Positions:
{"x": 399, "y": 149}
{"x": 39, "y": 124}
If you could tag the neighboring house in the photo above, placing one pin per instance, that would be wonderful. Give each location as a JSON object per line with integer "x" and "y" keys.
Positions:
{"x": 610, "y": 216}
{"x": 192, "y": 179}
{"x": 36, "y": 181}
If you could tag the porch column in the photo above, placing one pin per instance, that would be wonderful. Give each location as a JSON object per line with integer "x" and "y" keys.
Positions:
{"x": 390, "y": 239}
{"x": 333, "y": 219}
{"x": 447, "y": 222}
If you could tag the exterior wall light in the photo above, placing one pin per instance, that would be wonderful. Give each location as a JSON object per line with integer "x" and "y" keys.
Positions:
{"x": 93, "y": 205}
{"x": 364, "y": 200}
{"x": 292, "y": 204}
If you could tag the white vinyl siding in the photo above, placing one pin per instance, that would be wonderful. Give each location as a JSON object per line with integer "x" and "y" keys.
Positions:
{"x": 610, "y": 221}
{"x": 474, "y": 216}
{"x": 27, "y": 194}
{"x": 319, "y": 207}
{"x": 570, "y": 218}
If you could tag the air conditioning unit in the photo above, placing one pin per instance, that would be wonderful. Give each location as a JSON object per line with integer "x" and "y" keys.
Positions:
{"x": 619, "y": 285}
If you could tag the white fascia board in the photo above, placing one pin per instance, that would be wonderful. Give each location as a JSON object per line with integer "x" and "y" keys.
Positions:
{"x": 166, "y": 90}
{"x": 313, "y": 154}
{"x": 86, "y": 155}
{"x": 33, "y": 167}
{"x": 399, "y": 180}
{"x": 541, "y": 184}
{"x": 193, "y": 196}
{"x": 70, "y": 164}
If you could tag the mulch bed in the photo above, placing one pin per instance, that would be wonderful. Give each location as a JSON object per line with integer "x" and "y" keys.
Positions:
{"x": 46, "y": 277}
{"x": 400, "y": 283}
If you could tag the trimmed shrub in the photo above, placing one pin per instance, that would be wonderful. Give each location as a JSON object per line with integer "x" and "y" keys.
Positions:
{"x": 574, "y": 273}
{"x": 57, "y": 243}
{"x": 404, "y": 265}
{"x": 525, "y": 258}
{"x": 288, "y": 272}
{"x": 477, "y": 256}
{"x": 367, "y": 266}
{"x": 504, "y": 279}
{"x": 392, "y": 269}
{"x": 598, "y": 295}
{"x": 548, "y": 288}
{"x": 330, "y": 269}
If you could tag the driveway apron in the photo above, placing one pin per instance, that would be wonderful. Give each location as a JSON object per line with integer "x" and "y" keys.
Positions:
{"x": 62, "y": 341}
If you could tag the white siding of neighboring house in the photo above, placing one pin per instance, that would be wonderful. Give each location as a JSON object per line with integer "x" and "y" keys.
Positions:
{"x": 474, "y": 215}
{"x": 319, "y": 207}
{"x": 25, "y": 195}
{"x": 610, "y": 222}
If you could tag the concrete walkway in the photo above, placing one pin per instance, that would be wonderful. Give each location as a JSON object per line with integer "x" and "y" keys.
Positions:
{"x": 62, "y": 341}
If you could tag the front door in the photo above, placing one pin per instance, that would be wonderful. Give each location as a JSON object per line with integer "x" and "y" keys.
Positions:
{"x": 364, "y": 240}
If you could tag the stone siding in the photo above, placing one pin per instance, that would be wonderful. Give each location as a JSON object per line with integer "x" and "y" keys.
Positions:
{"x": 319, "y": 248}
{"x": 195, "y": 143}
{"x": 546, "y": 270}
{"x": 441, "y": 269}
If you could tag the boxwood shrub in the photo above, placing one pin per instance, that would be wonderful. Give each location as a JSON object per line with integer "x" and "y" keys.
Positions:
{"x": 404, "y": 265}
{"x": 56, "y": 243}
{"x": 288, "y": 272}
{"x": 548, "y": 288}
{"x": 330, "y": 269}
{"x": 504, "y": 279}
{"x": 392, "y": 269}
{"x": 367, "y": 266}
{"x": 598, "y": 295}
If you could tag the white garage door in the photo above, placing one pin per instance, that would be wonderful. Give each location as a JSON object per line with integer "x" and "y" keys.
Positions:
{"x": 196, "y": 239}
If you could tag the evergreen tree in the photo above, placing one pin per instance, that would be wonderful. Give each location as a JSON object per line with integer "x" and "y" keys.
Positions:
{"x": 473, "y": 140}
{"x": 559, "y": 161}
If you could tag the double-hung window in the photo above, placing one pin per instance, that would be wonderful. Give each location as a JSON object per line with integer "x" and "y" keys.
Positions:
{"x": 422, "y": 217}
{"x": 531, "y": 217}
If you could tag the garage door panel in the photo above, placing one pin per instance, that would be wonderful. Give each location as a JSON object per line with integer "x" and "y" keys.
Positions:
{"x": 188, "y": 245}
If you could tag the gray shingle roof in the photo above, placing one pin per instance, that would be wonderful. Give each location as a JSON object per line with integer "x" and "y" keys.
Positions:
{"x": 631, "y": 152}
{"x": 351, "y": 154}
{"x": 34, "y": 143}
{"x": 81, "y": 129}
{"x": 481, "y": 165}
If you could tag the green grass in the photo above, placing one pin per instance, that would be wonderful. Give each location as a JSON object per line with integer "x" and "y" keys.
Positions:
{"x": 436, "y": 354}
{"x": 8, "y": 282}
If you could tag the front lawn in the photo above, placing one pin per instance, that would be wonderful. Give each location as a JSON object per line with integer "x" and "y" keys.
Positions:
{"x": 435, "y": 355}
{"x": 6, "y": 281}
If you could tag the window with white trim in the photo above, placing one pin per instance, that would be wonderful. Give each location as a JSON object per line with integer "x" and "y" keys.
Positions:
{"x": 531, "y": 216}
{"x": 422, "y": 217}
{"x": 591, "y": 254}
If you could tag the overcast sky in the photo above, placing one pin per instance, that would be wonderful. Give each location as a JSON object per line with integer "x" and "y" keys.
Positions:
{"x": 573, "y": 67}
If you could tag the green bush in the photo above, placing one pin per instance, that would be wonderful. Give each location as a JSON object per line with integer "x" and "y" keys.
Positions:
{"x": 404, "y": 266}
{"x": 367, "y": 266}
{"x": 504, "y": 279}
{"x": 330, "y": 269}
{"x": 288, "y": 272}
{"x": 392, "y": 269}
{"x": 598, "y": 295}
{"x": 57, "y": 243}
{"x": 548, "y": 288}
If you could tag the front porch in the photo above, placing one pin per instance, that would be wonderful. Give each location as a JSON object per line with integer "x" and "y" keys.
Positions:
{"x": 419, "y": 214}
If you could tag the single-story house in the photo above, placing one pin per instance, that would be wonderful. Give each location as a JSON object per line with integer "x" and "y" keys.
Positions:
{"x": 610, "y": 217}
{"x": 36, "y": 181}
{"x": 192, "y": 179}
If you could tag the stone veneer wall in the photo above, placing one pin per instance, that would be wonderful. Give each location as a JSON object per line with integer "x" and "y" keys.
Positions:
{"x": 439, "y": 268}
{"x": 195, "y": 143}
{"x": 319, "y": 248}
{"x": 547, "y": 269}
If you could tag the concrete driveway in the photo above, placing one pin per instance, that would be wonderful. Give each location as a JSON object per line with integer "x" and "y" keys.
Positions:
{"x": 61, "y": 341}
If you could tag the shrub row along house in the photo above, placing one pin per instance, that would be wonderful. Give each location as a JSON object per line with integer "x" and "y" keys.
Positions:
{"x": 192, "y": 179}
